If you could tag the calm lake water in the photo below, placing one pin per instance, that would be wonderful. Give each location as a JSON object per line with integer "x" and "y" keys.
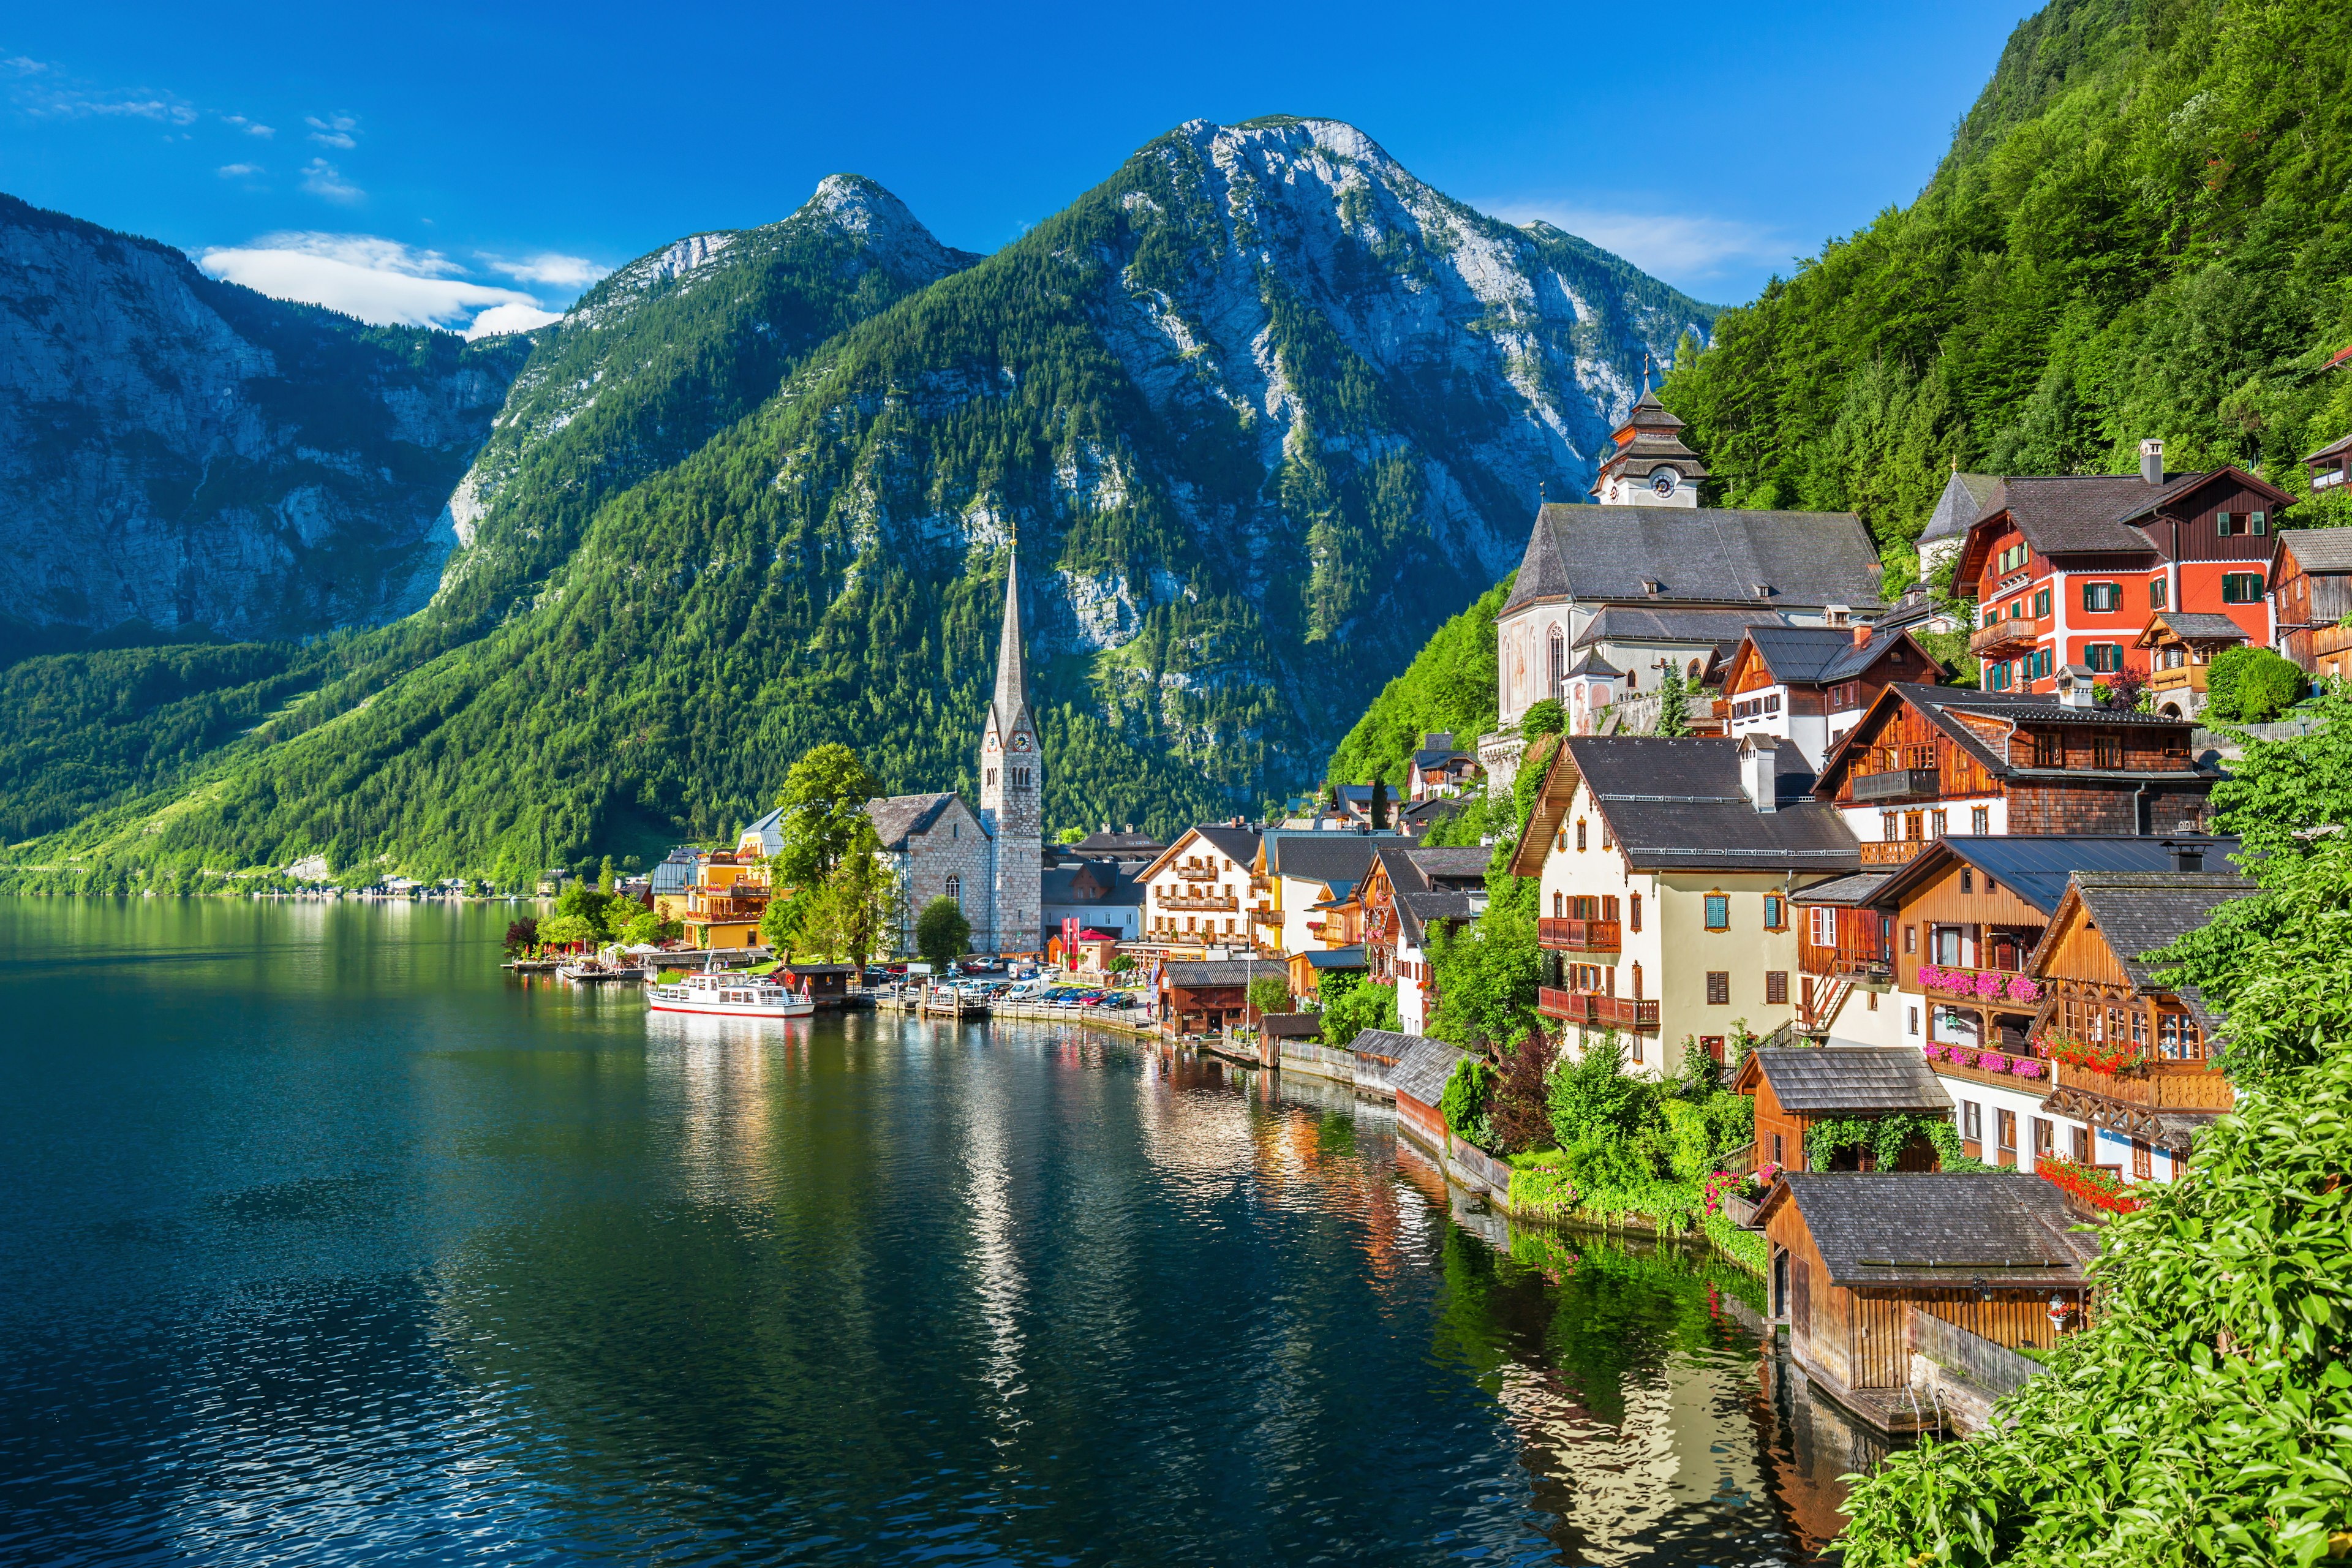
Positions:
{"x": 327, "y": 1242}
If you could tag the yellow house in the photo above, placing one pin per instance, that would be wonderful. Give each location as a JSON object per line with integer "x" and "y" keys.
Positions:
{"x": 1667, "y": 867}
{"x": 724, "y": 901}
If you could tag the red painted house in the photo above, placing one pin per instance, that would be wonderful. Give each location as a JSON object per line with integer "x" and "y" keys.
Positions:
{"x": 2068, "y": 570}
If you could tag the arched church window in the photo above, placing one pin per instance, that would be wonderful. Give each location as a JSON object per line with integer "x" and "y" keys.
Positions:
{"x": 1692, "y": 672}
{"x": 1558, "y": 660}
{"x": 955, "y": 890}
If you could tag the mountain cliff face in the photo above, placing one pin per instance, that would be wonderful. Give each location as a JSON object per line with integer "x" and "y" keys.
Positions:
{"x": 185, "y": 454}
{"x": 1260, "y": 411}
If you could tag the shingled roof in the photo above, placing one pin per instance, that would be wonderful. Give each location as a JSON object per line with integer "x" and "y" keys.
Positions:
{"x": 2140, "y": 912}
{"x": 1422, "y": 1066}
{"x": 1939, "y": 705}
{"x": 1675, "y": 804}
{"x": 1817, "y": 655}
{"x": 2036, "y": 867}
{"x": 1202, "y": 974}
{"x": 1417, "y": 912}
{"x": 899, "y": 816}
{"x": 1697, "y": 555}
{"x": 1952, "y": 1229}
{"x": 1961, "y": 503}
{"x": 1872, "y": 1079}
{"x": 1640, "y": 624}
{"x": 1321, "y": 854}
{"x": 2322, "y": 550}
{"x": 2195, "y": 626}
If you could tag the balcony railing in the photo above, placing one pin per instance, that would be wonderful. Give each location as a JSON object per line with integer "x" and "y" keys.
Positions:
{"x": 1897, "y": 783}
{"x": 1849, "y": 960}
{"x": 1576, "y": 935}
{"x": 1992, "y": 987}
{"x": 2002, "y": 635}
{"x": 725, "y": 909}
{"x": 1167, "y": 903}
{"x": 1608, "y": 1012}
{"x": 1891, "y": 851}
{"x": 2180, "y": 678}
{"x": 2159, "y": 1086}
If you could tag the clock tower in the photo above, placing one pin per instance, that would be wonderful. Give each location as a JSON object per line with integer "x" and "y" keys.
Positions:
{"x": 1651, "y": 466}
{"x": 1012, "y": 793}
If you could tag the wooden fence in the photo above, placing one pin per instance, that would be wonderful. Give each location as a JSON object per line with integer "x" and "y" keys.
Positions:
{"x": 1994, "y": 1368}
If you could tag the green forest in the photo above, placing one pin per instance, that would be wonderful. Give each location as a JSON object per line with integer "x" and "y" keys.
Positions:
{"x": 2143, "y": 228}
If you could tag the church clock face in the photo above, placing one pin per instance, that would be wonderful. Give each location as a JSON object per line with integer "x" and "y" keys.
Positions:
{"x": 1020, "y": 742}
{"x": 1664, "y": 482}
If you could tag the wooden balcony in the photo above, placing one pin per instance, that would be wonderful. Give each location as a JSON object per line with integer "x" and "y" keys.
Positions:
{"x": 1227, "y": 905}
{"x": 1891, "y": 851}
{"x": 1602, "y": 1012}
{"x": 2159, "y": 1086}
{"x": 705, "y": 908}
{"x": 1967, "y": 986}
{"x": 2181, "y": 677}
{"x": 2038, "y": 1083}
{"x": 1574, "y": 935}
{"x": 1897, "y": 783}
{"x": 2008, "y": 635}
{"x": 1847, "y": 961}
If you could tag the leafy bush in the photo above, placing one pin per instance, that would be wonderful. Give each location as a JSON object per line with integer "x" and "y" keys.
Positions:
{"x": 1359, "y": 1004}
{"x": 942, "y": 933}
{"x": 1544, "y": 716}
{"x": 522, "y": 934}
{"x": 1268, "y": 994}
{"x": 1463, "y": 1103}
{"x": 2252, "y": 686}
{"x": 1520, "y": 1109}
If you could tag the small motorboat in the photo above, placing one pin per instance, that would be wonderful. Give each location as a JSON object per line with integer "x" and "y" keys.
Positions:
{"x": 724, "y": 995}
{"x": 597, "y": 969}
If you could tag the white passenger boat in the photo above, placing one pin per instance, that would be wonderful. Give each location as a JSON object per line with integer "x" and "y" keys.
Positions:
{"x": 727, "y": 995}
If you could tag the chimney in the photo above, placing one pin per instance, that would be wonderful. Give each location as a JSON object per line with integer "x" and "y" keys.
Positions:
{"x": 2151, "y": 461}
{"x": 2187, "y": 856}
{"x": 1860, "y": 637}
{"x": 1759, "y": 768}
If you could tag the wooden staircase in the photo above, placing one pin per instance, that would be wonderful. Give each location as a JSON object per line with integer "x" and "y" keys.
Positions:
{"x": 1822, "y": 996}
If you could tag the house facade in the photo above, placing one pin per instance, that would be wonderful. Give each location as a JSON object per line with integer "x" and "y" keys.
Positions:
{"x": 1927, "y": 762}
{"x": 1665, "y": 869}
{"x": 725, "y": 900}
{"x": 1809, "y": 685}
{"x": 1797, "y": 1088}
{"x": 2066, "y": 572}
{"x": 1408, "y": 892}
{"x": 1195, "y": 890}
{"x": 2314, "y": 596}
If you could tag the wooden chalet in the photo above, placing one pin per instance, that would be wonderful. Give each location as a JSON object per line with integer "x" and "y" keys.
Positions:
{"x": 1796, "y": 1087}
{"x": 2068, "y": 570}
{"x": 1408, "y": 891}
{"x": 2179, "y": 645}
{"x": 1812, "y": 684}
{"x": 1929, "y": 761}
{"x": 1305, "y": 970}
{"x": 2313, "y": 593}
{"x": 2130, "y": 1060}
{"x": 1417, "y": 1077}
{"x": 1852, "y": 1255}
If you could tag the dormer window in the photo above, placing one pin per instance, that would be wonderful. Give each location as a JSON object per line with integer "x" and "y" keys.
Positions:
{"x": 1651, "y": 585}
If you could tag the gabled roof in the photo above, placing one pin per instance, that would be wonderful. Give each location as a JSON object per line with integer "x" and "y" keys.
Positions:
{"x": 1682, "y": 627}
{"x": 1440, "y": 864}
{"x": 1386, "y": 1044}
{"x": 1238, "y": 845}
{"x": 1333, "y": 957}
{"x": 1821, "y": 656}
{"x": 1950, "y": 1228}
{"x": 1963, "y": 499}
{"x": 1320, "y": 854}
{"x": 2092, "y": 513}
{"x": 899, "y": 818}
{"x": 2320, "y": 550}
{"x": 1821, "y": 1081}
{"x": 1200, "y": 975}
{"x": 1064, "y": 884}
{"x": 1591, "y": 663}
{"x": 1696, "y": 554}
{"x": 1416, "y": 912}
{"x": 2037, "y": 866}
{"x": 1939, "y": 704}
{"x": 2138, "y": 912}
{"x": 770, "y": 829}
{"x": 1422, "y": 1066}
{"x": 1677, "y": 804}
{"x": 2192, "y": 626}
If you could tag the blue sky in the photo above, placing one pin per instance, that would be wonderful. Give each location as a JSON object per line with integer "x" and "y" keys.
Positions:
{"x": 437, "y": 162}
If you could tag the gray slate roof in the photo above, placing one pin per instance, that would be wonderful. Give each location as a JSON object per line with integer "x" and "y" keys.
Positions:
{"x": 2204, "y": 625}
{"x": 1682, "y": 627}
{"x": 899, "y": 816}
{"x": 1848, "y": 891}
{"x": 1238, "y": 845}
{"x": 1121, "y": 887}
{"x": 1417, "y": 912}
{"x": 2037, "y": 866}
{"x": 2140, "y": 912}
{"x": 2088, "y": 513}
{"x": 1817, "y": 655}
{"x": 1422, "y": 1066}
{"x": 1677, "y": 804}
{"x": 1948, "y": 1228}
{"x": 1292, "y": 1025}
{"x": 2320, "y": 548}
{"x": 1698, "y": 554}
{"x": 1202, "y": 974}
{"x": 1819, "y": 1080}
{"x": 1386, "y": 1044}
{"x": 1962, "y": 502}
{"x": 1322, "y": 855}
{"x": 1938, "y": 703}
{"x": 1104, "y": 841}
{"x": 1450, "y": 863}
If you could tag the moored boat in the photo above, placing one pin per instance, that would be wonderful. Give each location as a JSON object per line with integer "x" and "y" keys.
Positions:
{"x": 728, "y": 996}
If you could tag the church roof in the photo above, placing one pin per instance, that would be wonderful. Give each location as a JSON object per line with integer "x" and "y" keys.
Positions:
{"x": 1697, "y": 556}
{"x": 1964, "y": 496}
{"x": 1009, "y": 708}
{"x": 899, "y": 816}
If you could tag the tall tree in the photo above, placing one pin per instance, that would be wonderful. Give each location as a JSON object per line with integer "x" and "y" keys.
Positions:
{"x": 823, "y": 801}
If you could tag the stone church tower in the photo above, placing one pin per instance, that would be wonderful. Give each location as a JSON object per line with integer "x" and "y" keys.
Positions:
{"x": 1012, "y": 793}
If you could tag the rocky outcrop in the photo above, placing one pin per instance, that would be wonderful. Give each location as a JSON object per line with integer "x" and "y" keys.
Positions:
{"x": 185, "y": 454}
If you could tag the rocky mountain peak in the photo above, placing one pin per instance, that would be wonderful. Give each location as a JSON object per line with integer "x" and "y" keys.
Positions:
{"x": 854, "y": 205}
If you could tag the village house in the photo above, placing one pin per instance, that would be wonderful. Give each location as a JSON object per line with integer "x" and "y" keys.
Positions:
{"x": 2067, "y": 571}
{"x": 1943, "y": 947}
{"x": 1300, "y": 878}
{"x": 1963, "y": 500}
{"x": 2313, "y": 597}
{"x": 1408, "y": 892}
{"x": 1439, "y": 768}
{"x": 1101, "y": 894}
{"x": 2179, "y": 645}
{"x": 1809, "y": 685}
{"x": 2130, "y": 1060}
{"x": 1854, "y": 1255}
{"x": 668, "y": 881}
{"x": 1193, "y": 891}
{"x": 1924, "y": 762}
{"x": 1307, "y": 968}
{"x": 1201, "y": 997}
{"x": 1798, "y": 1088}
{"x": 936, "y": 848}
{"x": 725, "y": 900}
{"x": 1666, "y": 867}
{"x": 1689, "y": 578}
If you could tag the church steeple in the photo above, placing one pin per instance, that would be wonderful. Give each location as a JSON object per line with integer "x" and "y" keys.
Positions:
{"x": 1009, "y": 706}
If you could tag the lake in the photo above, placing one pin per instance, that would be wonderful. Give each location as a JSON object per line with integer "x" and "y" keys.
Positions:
{"x": 329, "y": 1243}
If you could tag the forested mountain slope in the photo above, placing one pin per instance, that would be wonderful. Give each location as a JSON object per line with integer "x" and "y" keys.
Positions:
{"x": 2143, "y": 229}
{"x": 1262, "y": 410}
{"x": 179, "y": 454}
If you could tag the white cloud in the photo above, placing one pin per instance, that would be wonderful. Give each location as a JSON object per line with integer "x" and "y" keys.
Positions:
{"x": 1677, "y": 247}
{"x": 335, "y": 132}
{"x": 379, "y": 280}
{"x": 321, "y": 178}
{"x": 239, "y": 171}
{"x": 549, "y": 267}
{"x": 510, "y": 319}
{"x": 250, "y": 127}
